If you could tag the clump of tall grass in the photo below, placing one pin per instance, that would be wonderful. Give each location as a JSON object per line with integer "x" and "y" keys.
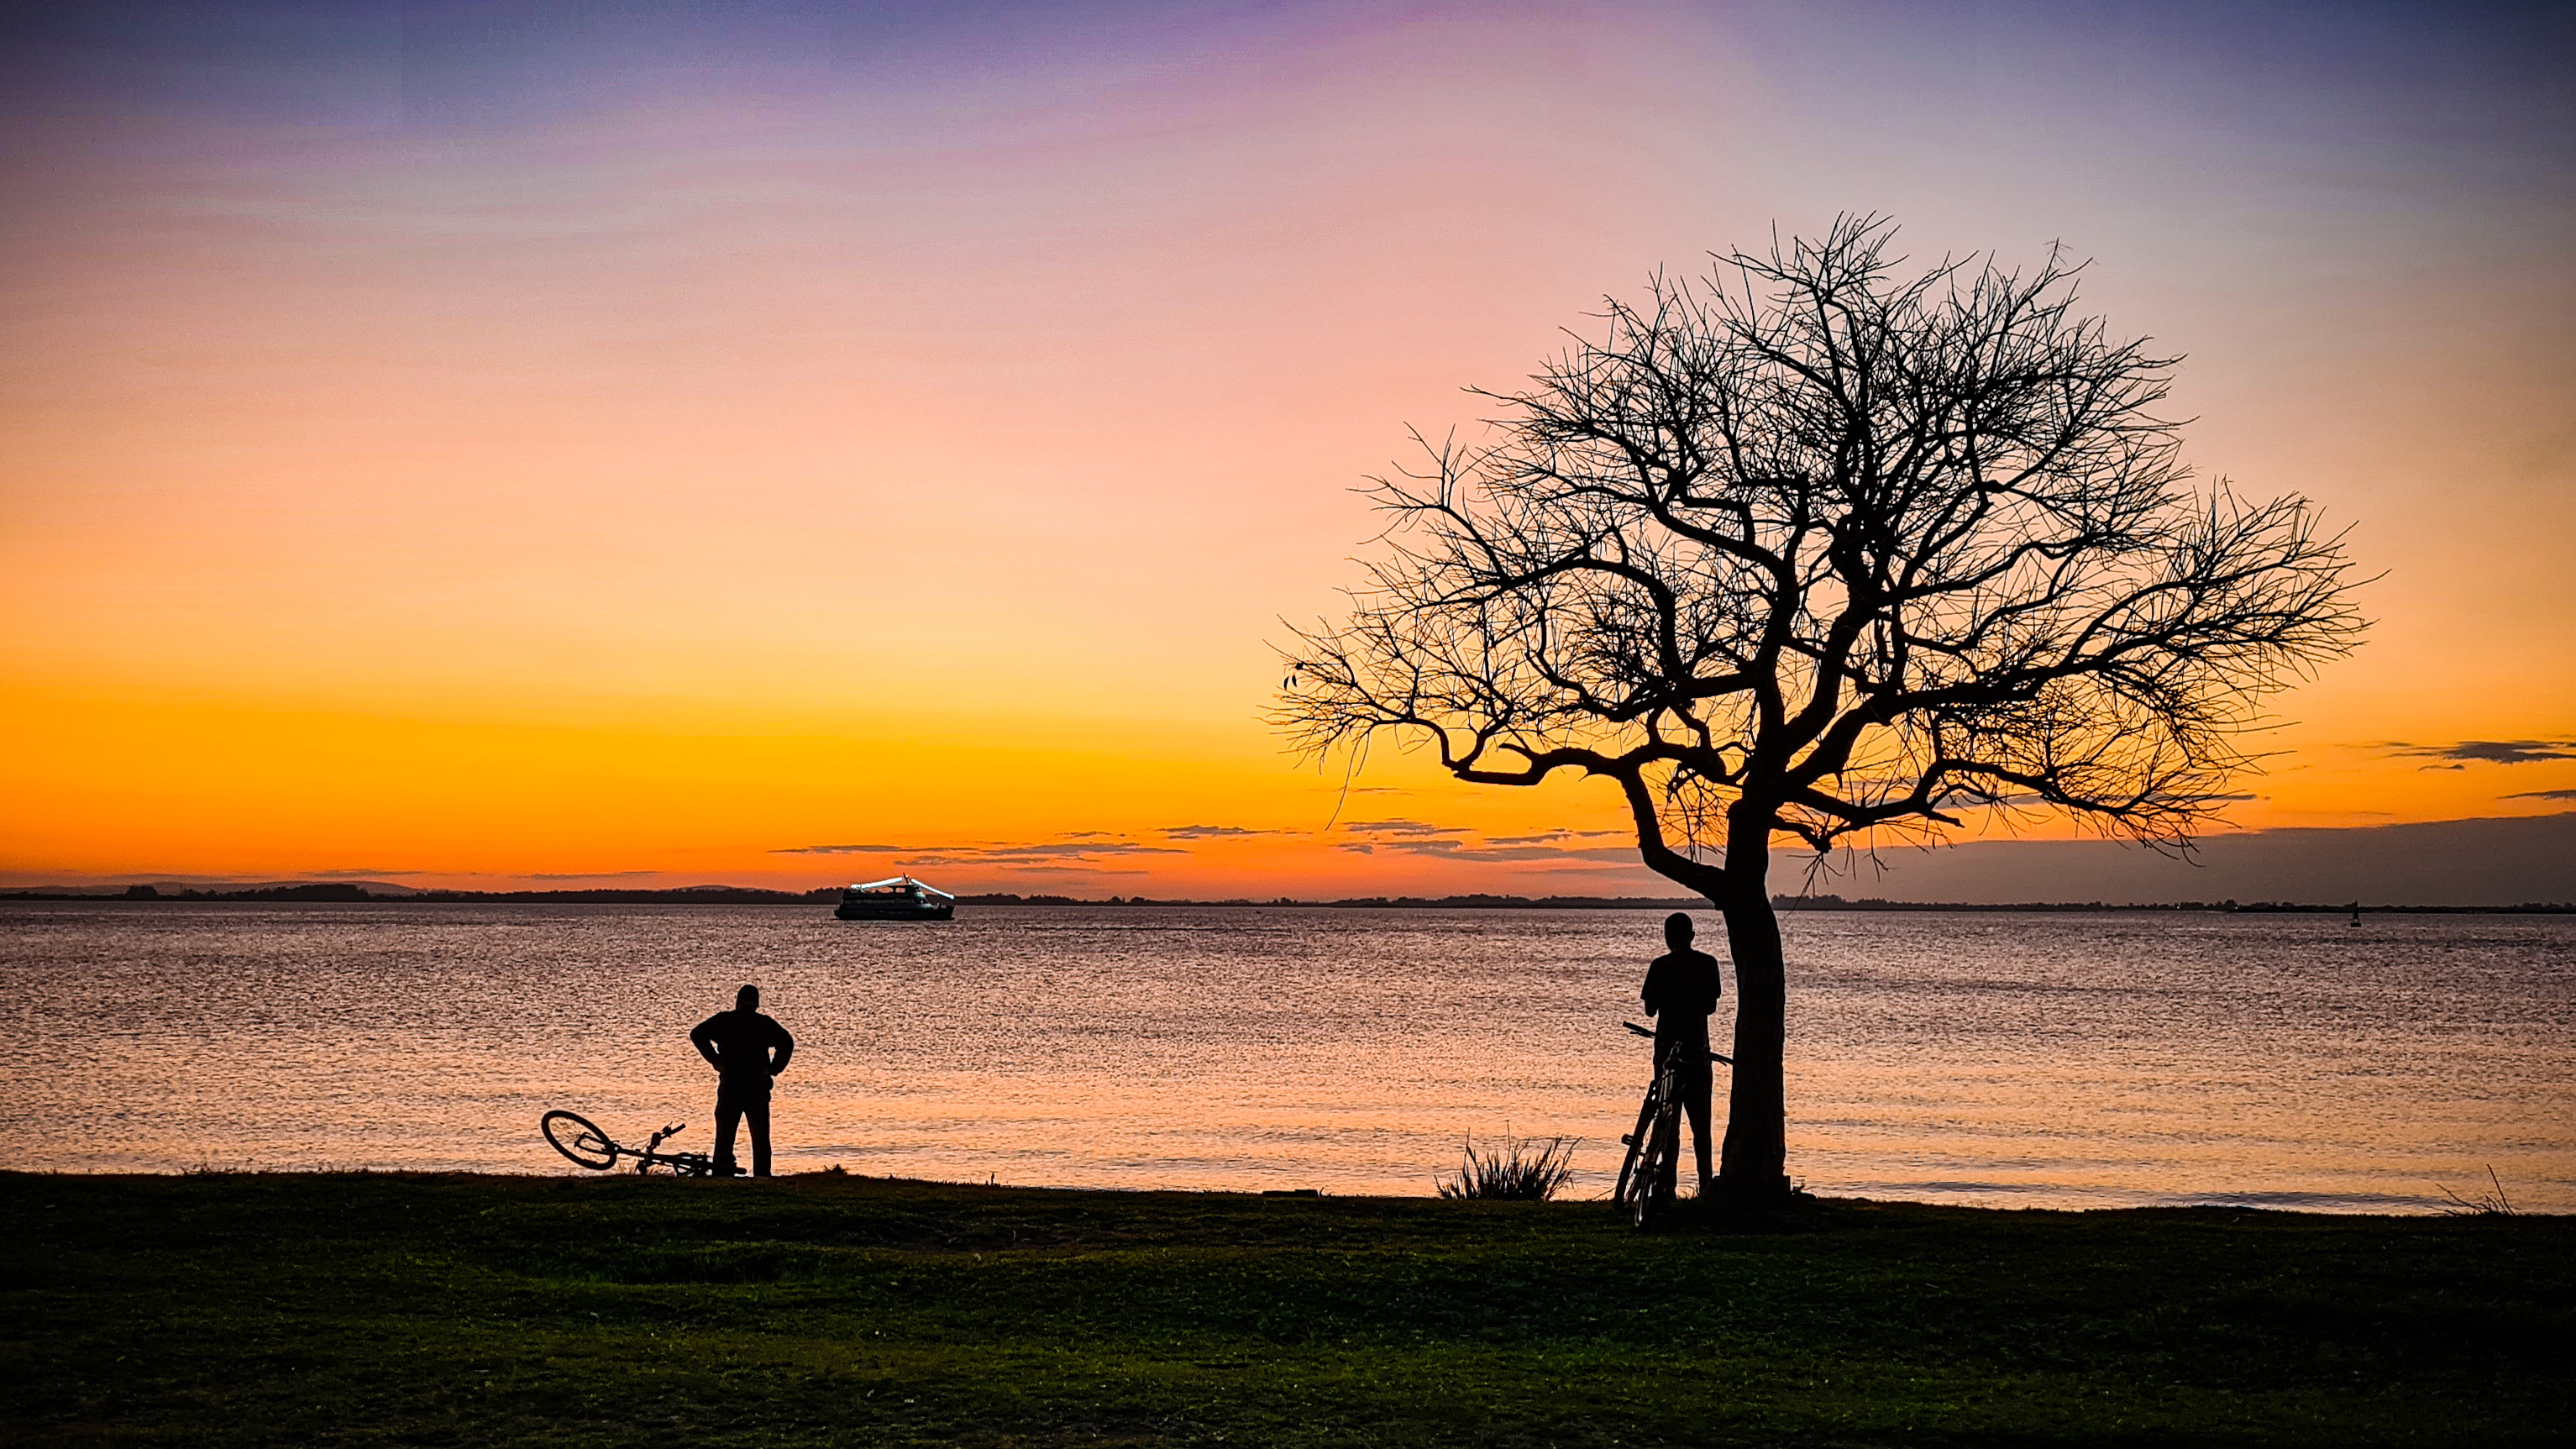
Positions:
{"x": 1523, "y": 1169}
{"x": 2484, "y": 1205}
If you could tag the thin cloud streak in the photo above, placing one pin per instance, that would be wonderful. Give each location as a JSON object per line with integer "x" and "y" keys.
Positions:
{"x": 1004, "y": 854}
{"x": 2484, "y": 752}
{"x": 1471, "y": 850}
{"x": 594, "y": 875}
{"x": 994, "y": 853}
{"x": 1078, "y": 872}
{"x": 1400, "y": 827}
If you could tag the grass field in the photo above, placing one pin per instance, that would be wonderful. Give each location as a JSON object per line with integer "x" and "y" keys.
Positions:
{"x": 383, "y": 1309}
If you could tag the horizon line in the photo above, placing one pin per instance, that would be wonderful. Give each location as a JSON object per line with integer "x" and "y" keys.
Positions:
{"x": 356, "y": 893}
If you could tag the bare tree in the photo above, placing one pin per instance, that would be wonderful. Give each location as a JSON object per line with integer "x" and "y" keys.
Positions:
{"x": 1818, "y": 548}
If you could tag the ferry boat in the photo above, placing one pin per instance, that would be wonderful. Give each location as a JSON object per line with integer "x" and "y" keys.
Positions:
{"x": 896, "y": 898}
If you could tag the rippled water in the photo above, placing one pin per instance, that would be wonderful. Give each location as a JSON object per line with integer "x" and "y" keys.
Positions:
{"x": 2062, "y": 1060}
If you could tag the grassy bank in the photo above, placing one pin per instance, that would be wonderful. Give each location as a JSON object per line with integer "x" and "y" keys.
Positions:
{"x": 452, "y": 1310}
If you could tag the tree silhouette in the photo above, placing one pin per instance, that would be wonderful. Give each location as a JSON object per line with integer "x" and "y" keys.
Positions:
{"x": 1818, "y": 548}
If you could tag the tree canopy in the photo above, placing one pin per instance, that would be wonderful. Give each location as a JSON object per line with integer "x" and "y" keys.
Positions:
{"x": 1867, "y": 548}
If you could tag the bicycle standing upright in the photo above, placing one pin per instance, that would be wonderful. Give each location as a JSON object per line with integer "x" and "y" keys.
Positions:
{"x": 1649, "y": 1177}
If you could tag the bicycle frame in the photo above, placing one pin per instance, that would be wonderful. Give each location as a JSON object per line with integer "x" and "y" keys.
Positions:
{"x": 684, "y": 1164}
{"x": 577, "y": 1138}
{"x": 1647, "y": 1177}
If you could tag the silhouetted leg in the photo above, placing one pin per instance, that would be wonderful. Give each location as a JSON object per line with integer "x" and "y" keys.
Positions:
{"x": 728, "y": 1117}
{"x": 757, "y": 1114}
{"x": 1668, "y": 1165}
{"x": 1695, "y": 1105}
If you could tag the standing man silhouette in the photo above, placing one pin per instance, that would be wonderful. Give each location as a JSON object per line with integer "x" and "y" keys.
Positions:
{"x": 737, "y": 1044}
{"x": 1681, "y": 991}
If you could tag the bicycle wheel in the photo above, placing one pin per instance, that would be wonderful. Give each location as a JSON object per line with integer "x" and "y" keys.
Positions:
{"x": 1657, "y": 1166}
{"x": 571, "y": 1134}
{"x": 1636, "y": 1141}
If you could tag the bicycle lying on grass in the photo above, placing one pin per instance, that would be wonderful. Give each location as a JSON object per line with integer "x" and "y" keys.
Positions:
{"x": 1648, "y": 1179}
{"x": 572, "y": 1134}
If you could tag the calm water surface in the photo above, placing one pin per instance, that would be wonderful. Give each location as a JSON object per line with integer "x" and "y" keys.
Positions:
{"x": 2040, "y": 1060}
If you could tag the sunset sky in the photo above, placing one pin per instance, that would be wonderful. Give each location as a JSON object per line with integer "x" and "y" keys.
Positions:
{"x": 489, "y": 444}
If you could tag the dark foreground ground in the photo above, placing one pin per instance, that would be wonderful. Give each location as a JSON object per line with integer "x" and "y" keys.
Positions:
{"x": 452, "y": 1310}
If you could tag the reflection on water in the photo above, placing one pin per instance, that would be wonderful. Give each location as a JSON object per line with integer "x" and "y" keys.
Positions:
{"x": 2059, "y": 1060}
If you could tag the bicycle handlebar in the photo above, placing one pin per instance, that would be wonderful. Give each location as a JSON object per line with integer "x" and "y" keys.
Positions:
{"x": 1648, "y": 1032}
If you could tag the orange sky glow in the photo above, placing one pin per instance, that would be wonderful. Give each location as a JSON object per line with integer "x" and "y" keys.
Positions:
{"x": 648, "y": 445}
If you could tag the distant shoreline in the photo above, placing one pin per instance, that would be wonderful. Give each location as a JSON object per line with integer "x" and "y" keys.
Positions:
{"x": 721, "y": 895}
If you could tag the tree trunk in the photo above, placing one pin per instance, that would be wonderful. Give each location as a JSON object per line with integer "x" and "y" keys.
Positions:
{"x": 1757, "y": 1114}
